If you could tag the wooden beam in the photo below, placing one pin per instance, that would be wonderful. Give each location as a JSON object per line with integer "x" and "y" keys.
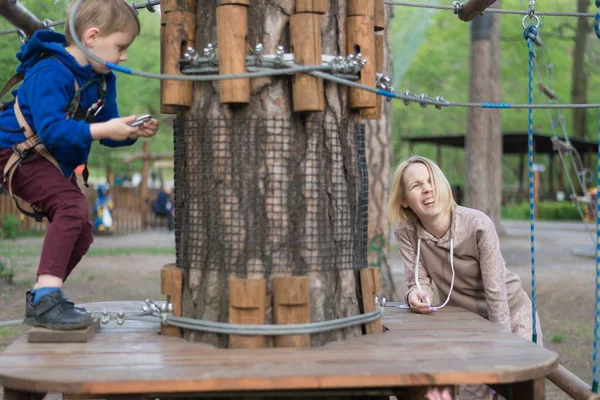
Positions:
{"x": 247, "y": 305}
{"x": 473, "y": 8}
{"x": 144, "y": 186}
{"x": 149, "y": 156}
{"x": 15, "y": 13}
{"x": 291, "y": 305}
{"x": 572, "y": 385}
{"x": 370, "y": 287}
{"x": 171, "y": 285}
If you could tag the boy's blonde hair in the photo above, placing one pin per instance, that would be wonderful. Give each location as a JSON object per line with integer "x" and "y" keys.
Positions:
{"x": 109, "y": 16}
{"x": 443, "y": 193}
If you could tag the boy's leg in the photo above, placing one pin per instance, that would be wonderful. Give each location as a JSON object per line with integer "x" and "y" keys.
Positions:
{"x": 82, "y": 244}
{"x": 38, "y": 182}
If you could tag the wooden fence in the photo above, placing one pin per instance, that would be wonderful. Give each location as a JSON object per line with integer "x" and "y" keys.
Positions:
{"x": 127, "y": 210}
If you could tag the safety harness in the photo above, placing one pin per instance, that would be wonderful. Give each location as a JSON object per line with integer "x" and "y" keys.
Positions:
{"x": 32, "y": 142}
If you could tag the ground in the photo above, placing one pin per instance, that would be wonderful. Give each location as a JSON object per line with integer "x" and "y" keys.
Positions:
{"x": 127, "y": 268}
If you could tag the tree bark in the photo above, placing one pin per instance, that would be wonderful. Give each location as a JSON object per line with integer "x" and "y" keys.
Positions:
{"x": 579, "y": 86}
{"x": 483, "y": 144}
{"x": 379, "y": 155}
{"x": 246, "y": 211}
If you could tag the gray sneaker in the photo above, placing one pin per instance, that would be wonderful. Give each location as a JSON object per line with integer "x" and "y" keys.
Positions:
{"x": 55, "y": 311}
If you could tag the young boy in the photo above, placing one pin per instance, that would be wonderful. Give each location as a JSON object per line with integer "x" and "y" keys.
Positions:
{"x": 67, "y": 101}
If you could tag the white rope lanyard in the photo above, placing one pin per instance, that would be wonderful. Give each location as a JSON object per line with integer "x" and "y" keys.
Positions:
{"x": 418, "y": 256}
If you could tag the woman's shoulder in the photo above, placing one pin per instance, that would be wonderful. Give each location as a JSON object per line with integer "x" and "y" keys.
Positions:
{"x": 473, "y": 218}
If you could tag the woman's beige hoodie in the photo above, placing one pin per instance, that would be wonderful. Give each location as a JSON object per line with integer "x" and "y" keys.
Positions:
{"x": 482, "y": 284}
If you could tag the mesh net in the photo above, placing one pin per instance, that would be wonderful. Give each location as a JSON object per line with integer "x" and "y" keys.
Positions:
{"x": 269, "y": 195}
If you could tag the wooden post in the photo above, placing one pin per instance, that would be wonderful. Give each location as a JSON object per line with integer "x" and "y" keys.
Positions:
{"x": 572, "y": 385}
{"x": 247, "y": 298}
{"x": 20, "y": 17}
{"x": 311, "y": 6}
{"x": 361, "y": 7}
{"x": 144, "y": 185}
{"x": 375, "y": 112}
{"x": 370, "y": 286}
{"x": 307, "y": 90}
{"x": 473, "y": 8}
{"x": 178, "y": 29}
{"x": 291, "y": 305}
{"x": 171, "y": 279}
{"x": 379, "y": 15}
{"x": 361, "y": 40}
{"x": 232, "y": 37}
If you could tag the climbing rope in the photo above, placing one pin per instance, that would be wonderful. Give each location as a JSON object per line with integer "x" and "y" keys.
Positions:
{"x": 530, "y": 35}
{"x": 456, "y": 7}
{"x": 422, "y": 99}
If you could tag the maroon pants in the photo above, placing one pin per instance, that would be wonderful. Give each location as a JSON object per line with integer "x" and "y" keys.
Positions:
{"x": 70, "y": 231}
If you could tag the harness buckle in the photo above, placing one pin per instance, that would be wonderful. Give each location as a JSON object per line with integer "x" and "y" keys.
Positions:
{"x": 22, "y": 154}
{"x": 94, "y": 109}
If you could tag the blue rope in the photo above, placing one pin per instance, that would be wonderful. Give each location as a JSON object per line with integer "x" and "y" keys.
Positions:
{"x": 597, "y": 20}
{"x": 530, "y": 35}
{"x": 597, "y": 318}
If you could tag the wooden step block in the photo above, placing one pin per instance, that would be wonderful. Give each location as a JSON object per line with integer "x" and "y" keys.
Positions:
{"x": 43, "y": 335}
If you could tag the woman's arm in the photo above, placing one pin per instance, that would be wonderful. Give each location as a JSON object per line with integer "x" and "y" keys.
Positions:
{"x": 493, "y": 274}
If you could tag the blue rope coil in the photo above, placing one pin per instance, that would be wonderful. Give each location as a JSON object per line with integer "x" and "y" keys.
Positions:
{"x": 530, "y": 36}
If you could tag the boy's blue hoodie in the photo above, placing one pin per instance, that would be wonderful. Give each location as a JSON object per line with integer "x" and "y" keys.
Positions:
{"x": 44, "y": 96}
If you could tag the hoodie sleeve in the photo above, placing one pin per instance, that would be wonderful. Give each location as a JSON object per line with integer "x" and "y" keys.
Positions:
{"x": 493, "y": 274}
{"x": 67, "y": 140}
{"x": 408, "y": 255}
{"x": 110, "y": 111}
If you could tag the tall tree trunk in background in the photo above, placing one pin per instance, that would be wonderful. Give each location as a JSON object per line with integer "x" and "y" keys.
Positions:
{"x": 579, "y": 78}
{"x": 269, "y": 192}
{"x": 379, "y": 155}
{"x": 495, "y": 121}
{"x": 480, "y": 138}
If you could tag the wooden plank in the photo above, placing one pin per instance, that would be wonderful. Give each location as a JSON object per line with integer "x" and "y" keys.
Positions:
{"x": 370, "y": 287}
{"x": 124, "y": 360}
{"x": 529, "y": 390}
{"x": 311, "y": 6}
{"x": 572, "y": 384}
{"x": 291, "y": 305}
{"x": 361, "y": 7}
{"x": 171, "y": 281}
{"x": 42, "y": 335}
{"x": 307, "y": 90}
{"x": 232, "y": 36}
{"x": 247, "y": 305}
{"x": 375, "y": 112}
{"x": 361, "y": 39}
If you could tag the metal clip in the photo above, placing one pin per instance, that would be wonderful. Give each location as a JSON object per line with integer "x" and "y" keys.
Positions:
{"x": 48, "y": 24}
{"x": 22, "y": 36}
{"x": 152, "y": 306}
{"x": 166, "y": 310}
{"x": 94, "y": 109}
{"x": 120, "y": 318}
{"x": 149, "y": 6}
{"x": 458, "y": 7}
{"x": 259, "y": 51}
{"x": 279, "y": 55}
{"x": 105, "y": 319}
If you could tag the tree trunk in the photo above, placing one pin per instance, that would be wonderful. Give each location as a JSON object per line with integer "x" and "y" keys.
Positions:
{"x": 579, "y": 87}
{"x": 379, "y": 154}
{"x": 264, "y": 192}
{"x": 484, "y": 135}
{"x": 495, "y": 123}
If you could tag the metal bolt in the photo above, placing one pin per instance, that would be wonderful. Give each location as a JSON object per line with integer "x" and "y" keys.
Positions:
{"x": 439, "y": 99}
{"x": 423, "y": 96}
{"x": 105, "y": 319}
{"x": 407, "y": 94}
{"x": 120, "y": 318}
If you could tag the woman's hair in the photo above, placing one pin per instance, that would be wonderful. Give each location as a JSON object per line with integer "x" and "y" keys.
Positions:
{"x": 442, "y": 191}
{"x": 109, "y": 16}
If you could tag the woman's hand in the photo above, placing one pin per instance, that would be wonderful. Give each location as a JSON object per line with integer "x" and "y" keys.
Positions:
{"x": 418, "y": 302}
{"x": 435, "y": 394}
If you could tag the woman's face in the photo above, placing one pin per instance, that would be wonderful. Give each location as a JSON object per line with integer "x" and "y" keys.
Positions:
{"x": 419, "y": 192}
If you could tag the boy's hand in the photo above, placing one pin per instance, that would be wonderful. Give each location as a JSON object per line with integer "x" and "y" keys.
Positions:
{"x": 146, "y": 130}
{"x": 116, "y": 129}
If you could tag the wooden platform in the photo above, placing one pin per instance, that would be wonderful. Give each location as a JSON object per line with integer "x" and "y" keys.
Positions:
{"x": 449, "y": 347}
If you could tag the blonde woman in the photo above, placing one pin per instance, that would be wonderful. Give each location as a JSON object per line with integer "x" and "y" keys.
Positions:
{"x": 457, "y": 249}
